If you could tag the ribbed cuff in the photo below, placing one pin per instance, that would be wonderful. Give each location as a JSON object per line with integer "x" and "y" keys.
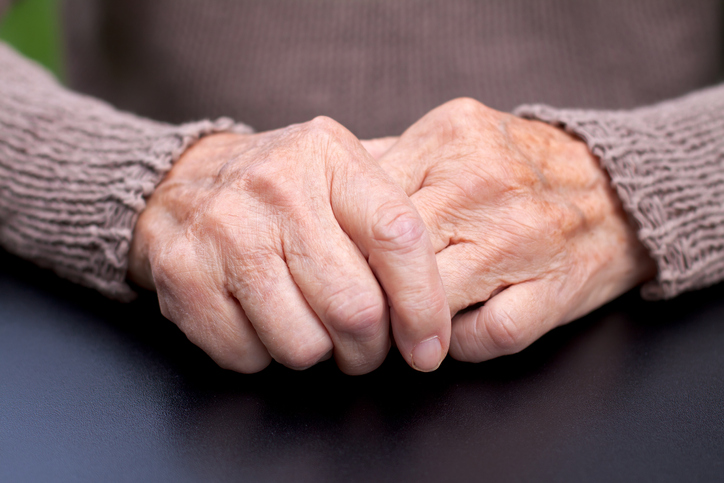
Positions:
{"x": 75, "y": 174}
{"x": 666, "y": 163}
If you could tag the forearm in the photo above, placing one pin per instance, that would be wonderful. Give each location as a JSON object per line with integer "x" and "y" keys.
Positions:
{"x": 75, "y": 173}
{"x": 666, "y": 163}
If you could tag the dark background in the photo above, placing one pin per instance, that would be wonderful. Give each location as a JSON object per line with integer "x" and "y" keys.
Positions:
{"x": 94, "y": 390}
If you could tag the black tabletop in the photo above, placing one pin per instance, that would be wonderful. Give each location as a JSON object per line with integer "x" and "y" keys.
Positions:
{"x": 93, "y": 390}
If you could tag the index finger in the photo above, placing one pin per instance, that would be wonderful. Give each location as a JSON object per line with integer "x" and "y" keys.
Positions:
{"x": 384, "y": 224}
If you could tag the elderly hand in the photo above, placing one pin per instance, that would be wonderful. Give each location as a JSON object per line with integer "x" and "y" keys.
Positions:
{"x": 283, "y": 245}
{"x": 522, "y": 219}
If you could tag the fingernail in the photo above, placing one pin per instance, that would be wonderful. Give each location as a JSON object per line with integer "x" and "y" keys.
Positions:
{"x": 427, "y": 355}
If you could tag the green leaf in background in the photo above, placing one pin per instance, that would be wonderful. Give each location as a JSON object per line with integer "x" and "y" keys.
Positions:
{"x": 33, "y": 28}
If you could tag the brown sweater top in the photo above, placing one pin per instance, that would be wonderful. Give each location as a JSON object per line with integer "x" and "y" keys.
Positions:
{"x": 74, "y": 171}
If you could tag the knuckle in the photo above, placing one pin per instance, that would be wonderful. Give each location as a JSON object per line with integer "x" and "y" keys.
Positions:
{"x": 324, "y": 124}
{"x": 502, "y": 332}
{"x": 214, "y": 217}
{"x": 458, "y": 120}
{"x": 360, "y": 313}
{"x": 331, "y": 141}
{"x": 304, "y": 355}
{"x": 466, "y": 106}
{"x": 182, "y": 277}
{"x": 426, "y": 304}
{"x": 267, "y": 181}
{"x": 223, "y": 340}
{"x": 327, "y": 129}
{"x": 172, "y": 264}
{"x": 397, "y": 227}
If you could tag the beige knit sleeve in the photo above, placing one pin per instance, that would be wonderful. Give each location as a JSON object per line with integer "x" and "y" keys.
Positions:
{"x": 75, "y": 173}
{"x": 666, "y": 162}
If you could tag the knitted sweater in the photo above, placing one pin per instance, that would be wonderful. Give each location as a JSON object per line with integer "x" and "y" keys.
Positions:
{"x": 75, "y": 172}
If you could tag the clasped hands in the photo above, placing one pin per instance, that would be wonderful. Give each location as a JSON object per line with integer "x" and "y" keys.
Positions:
{"x": 473, "y": 233}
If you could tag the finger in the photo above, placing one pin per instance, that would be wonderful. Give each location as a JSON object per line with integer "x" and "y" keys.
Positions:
{"x": 507, "y": 323}
{"x": 210, "y": 317}
{"x": 379, "y": 146}
{"x": 286, "y": 325}
{"x": 435, "y": 138}
{"x": 384, "y": 224}
{"x": 421, "y": 146}
{"x": 466, "y": 281}
{"x": 340, "y": 287}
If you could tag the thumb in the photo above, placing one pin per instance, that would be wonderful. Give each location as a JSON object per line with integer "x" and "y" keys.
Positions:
{"x": 507, "y": 323}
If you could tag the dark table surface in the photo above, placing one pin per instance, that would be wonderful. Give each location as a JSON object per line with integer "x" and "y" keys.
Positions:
{"x": 93, "y": 390}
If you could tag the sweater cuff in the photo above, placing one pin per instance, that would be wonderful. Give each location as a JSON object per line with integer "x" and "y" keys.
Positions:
{"x": 666, "y": 163}
{"x": 75, "y": 174}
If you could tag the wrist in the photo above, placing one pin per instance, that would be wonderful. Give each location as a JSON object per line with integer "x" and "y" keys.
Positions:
{"x": 620, "y": 260}
{"x": 139, "y": 267}
{"x": 195, "y": 164}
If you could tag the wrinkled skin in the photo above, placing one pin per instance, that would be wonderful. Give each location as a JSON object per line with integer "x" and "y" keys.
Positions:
{"x": 283, "y": 244}
{"x": 522, "y": 219}
{"x": 291, "y": 245}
